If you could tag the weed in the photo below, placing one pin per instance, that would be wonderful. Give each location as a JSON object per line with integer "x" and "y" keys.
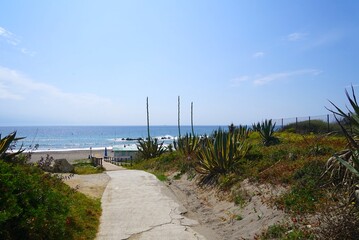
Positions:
{"x": 286, "y": 232}
{"x": 305, "y": 193}
{"x": 87, "y": 168}
{"x": 239, "y": 217}
{"x": 161, "y": 177}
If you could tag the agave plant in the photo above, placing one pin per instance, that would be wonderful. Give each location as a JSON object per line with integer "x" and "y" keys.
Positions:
{"x": 266, "y": 131}
{"x": 150, "y": 148}
{"x": 220, "y": 155}
{"x": 7, "y": 145}
{"x": 349, "y": 175}
{"x": 187, "y": 145}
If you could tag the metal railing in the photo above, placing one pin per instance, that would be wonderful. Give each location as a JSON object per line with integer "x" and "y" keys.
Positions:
{"x": 307, "y": 122}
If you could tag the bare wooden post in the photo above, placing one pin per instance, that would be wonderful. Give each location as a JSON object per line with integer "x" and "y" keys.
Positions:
{"x": 328, "y": 122}
{"x": 192, "y": 118}
{"x": 148, "y": 120}
{"x": 282, "y": 123}
{"x": 309, "y": 124}
{"x": 179, "y": 123}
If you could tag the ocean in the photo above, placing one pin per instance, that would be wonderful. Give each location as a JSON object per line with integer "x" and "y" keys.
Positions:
{"x": 84, "y": 137}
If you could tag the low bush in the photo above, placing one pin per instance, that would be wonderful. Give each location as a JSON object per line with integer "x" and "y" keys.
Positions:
{"x": 85, "y": 167}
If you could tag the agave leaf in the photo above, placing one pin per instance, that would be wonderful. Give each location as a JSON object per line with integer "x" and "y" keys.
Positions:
{"x": 348, "y": 166}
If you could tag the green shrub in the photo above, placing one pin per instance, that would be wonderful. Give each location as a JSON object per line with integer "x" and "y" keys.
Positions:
{"x": 37, "y": 205}
{"x": 32, "y": 205}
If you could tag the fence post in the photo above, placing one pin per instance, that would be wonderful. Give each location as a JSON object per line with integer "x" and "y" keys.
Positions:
{"x": 328, "y": 122}
{"x": 282, "y": 123}
{"x": 309, "y": 124}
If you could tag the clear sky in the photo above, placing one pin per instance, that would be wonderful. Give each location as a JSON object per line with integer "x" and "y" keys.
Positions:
{"x": 95, "y": 62}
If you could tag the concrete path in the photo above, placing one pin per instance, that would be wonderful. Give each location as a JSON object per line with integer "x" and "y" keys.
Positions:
{"x": 111, "y": 167}
{"x": 135, "y": 205}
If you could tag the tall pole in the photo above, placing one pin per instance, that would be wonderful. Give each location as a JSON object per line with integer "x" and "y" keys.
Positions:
{"x": 148, "y": 120}
{"x": 179, "y": 123}
{"x": 192, "y": 118}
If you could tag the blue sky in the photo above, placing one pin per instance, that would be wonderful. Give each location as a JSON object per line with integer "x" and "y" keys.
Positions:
{"x": 95, "y": 62}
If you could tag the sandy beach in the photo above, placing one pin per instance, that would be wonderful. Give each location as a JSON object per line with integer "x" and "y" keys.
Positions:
{"x": 69, "y": 155}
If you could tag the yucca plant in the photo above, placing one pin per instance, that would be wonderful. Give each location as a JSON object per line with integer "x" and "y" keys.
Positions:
{"x": 266, "y": 131}
{"x": 7, "y": 145}
{"x": 220, "y": 155}
{"x": 187, "y": 145}
{"x": 349, "y": 158}
{"x": 150, "y": 148}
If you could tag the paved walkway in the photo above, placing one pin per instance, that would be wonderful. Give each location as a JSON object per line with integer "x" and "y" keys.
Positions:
{"x": 135, "y": 205}
{"x": 111, "y": 167}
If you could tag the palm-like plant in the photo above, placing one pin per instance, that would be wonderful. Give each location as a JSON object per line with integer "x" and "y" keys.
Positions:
{"x": 266, "y": 131}
{"x": 349, "y": 123}
{"x": 187, "y": 145}
{"x": 150, "y": 148}
{"x": 7, "y": 145}
{"x": 220, "y": 155}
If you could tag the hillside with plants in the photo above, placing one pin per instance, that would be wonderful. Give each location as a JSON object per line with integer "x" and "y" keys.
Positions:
{"x": 319, "y": 172}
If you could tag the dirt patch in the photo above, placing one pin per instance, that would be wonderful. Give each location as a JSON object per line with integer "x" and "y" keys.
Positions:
{"x": 92, "y": 185}
{"x": 226, "y": 219}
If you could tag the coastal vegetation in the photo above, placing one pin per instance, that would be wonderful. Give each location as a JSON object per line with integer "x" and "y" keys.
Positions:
{"x": 319, "y": 170}
{"x": 85, "y": 166}
{"x": 38, "y": 205}
{"x": 312, "y": 126}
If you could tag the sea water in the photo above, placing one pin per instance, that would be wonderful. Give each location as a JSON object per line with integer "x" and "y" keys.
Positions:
{"x": 84, "y": 137}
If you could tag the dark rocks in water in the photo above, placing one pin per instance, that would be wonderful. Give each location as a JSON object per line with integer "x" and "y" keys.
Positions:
{"x": 132, "y": 139}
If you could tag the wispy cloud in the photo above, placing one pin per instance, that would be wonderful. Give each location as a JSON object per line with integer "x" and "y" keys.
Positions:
{"x": 9, "y": 37}
{"x": 296, "y": 36}
{"x": 258, "y": 55}
{"x": 28, "y": 52}
{"x": 239, "y": 80}
{"x": 284, "y": 75}
{"x": 259, "y": 80}
{"x": 14, "y": 41}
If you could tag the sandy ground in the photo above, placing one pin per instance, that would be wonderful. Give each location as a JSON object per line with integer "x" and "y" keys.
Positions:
{"x": 92, "y": 185}
{"x": 222, "y": 217}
